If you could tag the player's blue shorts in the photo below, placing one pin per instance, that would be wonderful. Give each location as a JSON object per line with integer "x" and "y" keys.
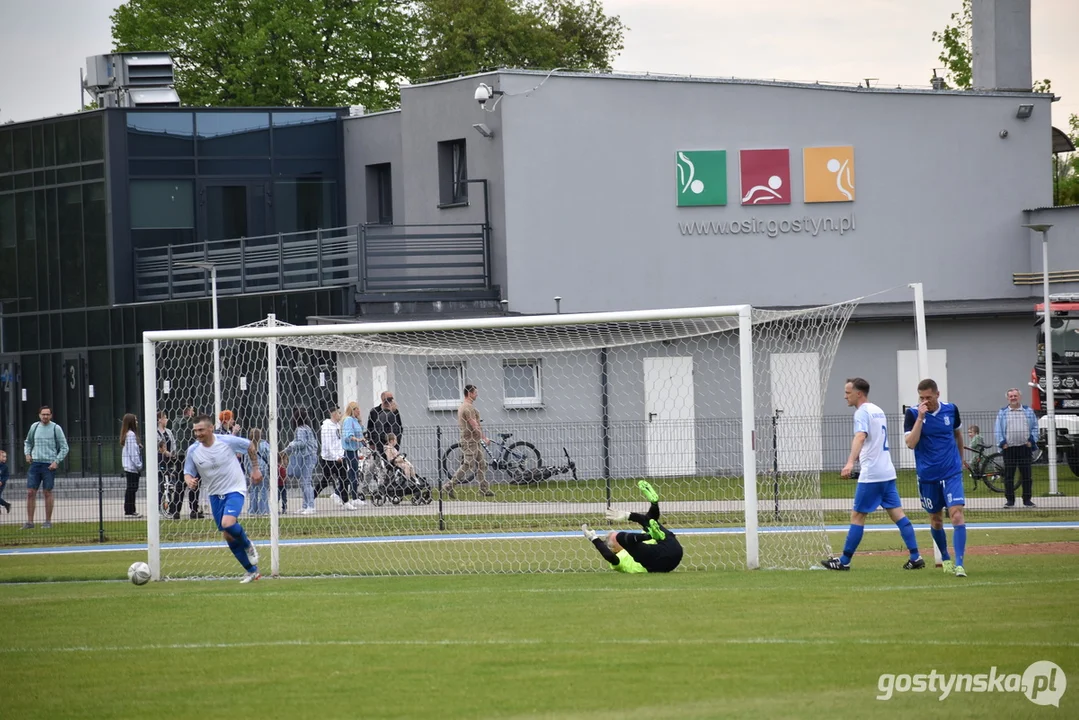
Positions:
{"x": 940, "y": 494}
{"x": 222, "y": 505}
{"x": 871, "y": 495}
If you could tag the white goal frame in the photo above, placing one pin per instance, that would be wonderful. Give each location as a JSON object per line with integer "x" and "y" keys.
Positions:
{"x": 270, "y": 333}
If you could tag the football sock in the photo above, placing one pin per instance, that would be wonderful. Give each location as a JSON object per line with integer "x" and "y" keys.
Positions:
{"x": 959, "y": 537}
{"x": 240, "y": 552}
{"x": 854, "y": 537}
{"x": 906, "y": 529}
{"x": 237, "y": 532}
{"x": 942, "y": 542}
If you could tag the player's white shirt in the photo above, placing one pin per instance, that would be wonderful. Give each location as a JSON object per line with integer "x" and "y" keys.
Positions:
{"x": 875, "y": 459}
{"x": 217, "y": 466}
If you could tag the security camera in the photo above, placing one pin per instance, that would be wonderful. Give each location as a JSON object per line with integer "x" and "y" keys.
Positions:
{"x": 483, "y": 93}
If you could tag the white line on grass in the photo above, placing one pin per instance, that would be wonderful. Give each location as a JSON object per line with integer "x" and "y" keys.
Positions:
{"x": 531, "y": 641}
{"x": 247, "y": 596}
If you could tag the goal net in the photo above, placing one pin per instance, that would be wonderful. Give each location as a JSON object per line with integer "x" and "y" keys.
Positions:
{"x": 719, "y": 408}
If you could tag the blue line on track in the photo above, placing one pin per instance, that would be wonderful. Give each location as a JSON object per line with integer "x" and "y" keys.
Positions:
{"x": 503, "y": 536}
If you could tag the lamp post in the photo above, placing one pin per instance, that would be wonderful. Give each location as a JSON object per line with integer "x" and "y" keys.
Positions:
{"x": 217, "y": 343}
{"x": 1047, "y": 329}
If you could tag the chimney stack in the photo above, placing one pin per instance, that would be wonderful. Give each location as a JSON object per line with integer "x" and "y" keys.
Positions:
{"x": 1001, "y": 45}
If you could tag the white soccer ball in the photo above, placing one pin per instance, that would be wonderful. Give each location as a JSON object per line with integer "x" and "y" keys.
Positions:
{"x": 139, "y": 573}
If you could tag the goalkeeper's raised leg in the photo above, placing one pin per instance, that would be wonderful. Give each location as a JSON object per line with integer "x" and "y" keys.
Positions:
{"x": 655, "y": 550}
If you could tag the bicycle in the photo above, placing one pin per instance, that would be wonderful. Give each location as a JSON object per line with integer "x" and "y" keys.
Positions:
{"x": 988, "y": 467}
{"x": 516, "y": 460}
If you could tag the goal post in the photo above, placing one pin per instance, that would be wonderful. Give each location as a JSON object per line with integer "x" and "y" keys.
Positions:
{"x": 578, "y": 407}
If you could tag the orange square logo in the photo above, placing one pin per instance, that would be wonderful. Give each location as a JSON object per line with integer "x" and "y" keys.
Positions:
{"x": 828, "y": 174}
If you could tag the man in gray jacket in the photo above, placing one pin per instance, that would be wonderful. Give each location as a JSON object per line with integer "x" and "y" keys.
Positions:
{"x": 45, "y": 448}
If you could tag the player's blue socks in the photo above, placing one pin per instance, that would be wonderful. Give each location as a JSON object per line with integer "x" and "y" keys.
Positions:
{"x": 854, "y": 538}
{"x": 239, "y": 544}
{"x": 906, "y": 529}
{"x": 942, "y": 542}
{"x": 959, "y": 537}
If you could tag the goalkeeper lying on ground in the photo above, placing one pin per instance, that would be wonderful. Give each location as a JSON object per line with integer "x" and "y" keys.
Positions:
{"x": 653, "y": 551}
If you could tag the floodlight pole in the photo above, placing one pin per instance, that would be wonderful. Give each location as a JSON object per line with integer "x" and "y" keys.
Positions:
{"x": 1047, "y": 328}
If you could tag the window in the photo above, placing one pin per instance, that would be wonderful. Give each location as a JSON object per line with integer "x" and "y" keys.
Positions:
{"x": 5, "y": 151}
{"x": 7, "y": 221}
{"x": 452, "y": 171}
{"x": 93, "y": 137}
{"x": 445, "y": 386}
{"x": 521, "y": 383}
{"x": 162, "y": 204}
{"x": 233, "y": 134}
{"x": 305, "y": 134}
{"x": 160, "y": 134}
{"x": 67, "y": 142}
{"x": 304, "y": 205}
{"x": 379, "y": 194}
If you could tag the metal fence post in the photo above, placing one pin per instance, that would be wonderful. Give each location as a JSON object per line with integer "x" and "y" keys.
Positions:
{"x": 100, "y": 496}
{"x": 438, "y": 460}
{"x": 318, "y": 249}
{"x": 280, "y": 262}
{"x": 243, "y": 265}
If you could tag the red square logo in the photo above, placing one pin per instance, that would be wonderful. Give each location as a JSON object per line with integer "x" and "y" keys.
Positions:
{"x": 766, "y": 176}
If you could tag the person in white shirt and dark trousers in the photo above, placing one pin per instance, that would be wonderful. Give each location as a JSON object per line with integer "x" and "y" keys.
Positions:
{"x": 1017, "y": 434}
{"x": 334, "y": 468}
{"x": 132, "y": 461}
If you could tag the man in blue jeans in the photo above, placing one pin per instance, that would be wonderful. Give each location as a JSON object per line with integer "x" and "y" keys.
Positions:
{"x": 45, "y": 448}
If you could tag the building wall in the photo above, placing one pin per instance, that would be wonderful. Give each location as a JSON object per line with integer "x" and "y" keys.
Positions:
{"x": 590, "y": 186}
{"x": 370, "y": 140}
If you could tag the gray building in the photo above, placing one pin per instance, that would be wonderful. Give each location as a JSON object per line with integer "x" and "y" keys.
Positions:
{"x": 630, "y": 192}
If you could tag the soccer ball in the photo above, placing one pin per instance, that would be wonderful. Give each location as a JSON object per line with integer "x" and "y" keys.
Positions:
{"x": 139, "y": 573}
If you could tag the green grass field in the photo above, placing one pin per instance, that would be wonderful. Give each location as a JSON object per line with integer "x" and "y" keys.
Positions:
{"x": 585, "y": 645}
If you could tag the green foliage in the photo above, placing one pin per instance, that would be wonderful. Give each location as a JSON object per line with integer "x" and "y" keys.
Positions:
{"x": 1066, "y": 169}
{"x": 314, "y": 53}
{"x": 461, "y": 36}
{"x": 342, "y": 52}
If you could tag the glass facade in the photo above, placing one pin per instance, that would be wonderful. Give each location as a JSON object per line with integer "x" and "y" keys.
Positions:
{"x": 79, "y": 194}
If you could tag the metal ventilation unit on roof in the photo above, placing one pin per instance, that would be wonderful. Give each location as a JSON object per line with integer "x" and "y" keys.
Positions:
{"x": 131, "y": 80}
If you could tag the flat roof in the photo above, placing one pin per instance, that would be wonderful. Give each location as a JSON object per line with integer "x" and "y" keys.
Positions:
{"x": 704, "y": 79}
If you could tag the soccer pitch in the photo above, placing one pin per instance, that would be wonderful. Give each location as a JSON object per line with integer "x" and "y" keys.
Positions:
{"x": 583, "y": 645}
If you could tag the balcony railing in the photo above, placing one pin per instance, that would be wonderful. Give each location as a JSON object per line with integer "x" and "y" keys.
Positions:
{"x": 372, "y": 258}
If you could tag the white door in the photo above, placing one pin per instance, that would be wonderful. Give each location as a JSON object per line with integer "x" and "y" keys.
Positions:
{"x": 349, "y": 387}
{"x": 379, "y": 383}
{"x": 796, "y": 393}
{"x": 671, "y": 435}
{"x": 907, "y": 363}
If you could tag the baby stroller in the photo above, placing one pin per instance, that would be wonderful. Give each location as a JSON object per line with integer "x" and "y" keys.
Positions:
{"x": 391, "y": 483}
{"x": 521, "y": 476}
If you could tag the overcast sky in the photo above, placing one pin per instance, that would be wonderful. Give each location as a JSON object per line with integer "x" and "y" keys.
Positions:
{"x": 43, "y": 43}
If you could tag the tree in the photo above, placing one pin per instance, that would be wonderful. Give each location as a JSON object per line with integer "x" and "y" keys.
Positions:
{"x": 957, "y": 53}
{"x": 277, "y": 52}
{"x": 1066, "y": 169}
{"x": 463, "y": 36}
{"x": 346, "y": 52}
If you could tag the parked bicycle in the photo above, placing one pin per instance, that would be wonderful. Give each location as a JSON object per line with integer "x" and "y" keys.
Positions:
{"x": 987, "y": 467}
{"x": 516, "y": 460}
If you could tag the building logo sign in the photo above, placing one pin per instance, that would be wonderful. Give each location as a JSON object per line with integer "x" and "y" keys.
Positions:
{"x": 766, "y": 176}
{"x": 702, "y": 177}
{"x": 828, "y": 173}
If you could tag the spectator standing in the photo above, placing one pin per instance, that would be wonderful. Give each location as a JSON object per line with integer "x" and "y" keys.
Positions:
{"x": 352, "y": 443}
{"x": 1017, "y": 434}
{"x": 302, "y": 453}
{"x": 45, "y": 448}
{"x": 132, "y": 462}
{"x": 3, "y": 480}
{"x": 383, "y": 420}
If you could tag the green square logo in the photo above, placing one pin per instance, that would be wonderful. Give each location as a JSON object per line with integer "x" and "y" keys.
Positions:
{"x": 702, "y": 177}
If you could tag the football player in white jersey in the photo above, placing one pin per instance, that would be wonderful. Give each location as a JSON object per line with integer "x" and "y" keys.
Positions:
{"x": 876, "y": 477}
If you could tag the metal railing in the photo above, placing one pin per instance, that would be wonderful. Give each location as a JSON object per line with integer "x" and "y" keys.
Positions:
{"x": 424, "y": 257}
{"x": 374, "y": 258}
